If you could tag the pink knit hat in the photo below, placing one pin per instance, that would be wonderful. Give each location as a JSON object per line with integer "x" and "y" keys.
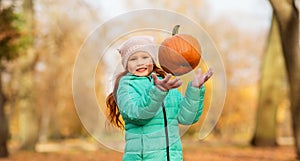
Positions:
{"x": 135, "y": 44}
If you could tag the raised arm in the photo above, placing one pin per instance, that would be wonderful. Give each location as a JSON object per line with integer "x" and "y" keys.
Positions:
{"x": 192, "y": 104}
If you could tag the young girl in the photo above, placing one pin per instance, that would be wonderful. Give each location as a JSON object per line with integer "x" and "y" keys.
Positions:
{"x": 150, "y": 105}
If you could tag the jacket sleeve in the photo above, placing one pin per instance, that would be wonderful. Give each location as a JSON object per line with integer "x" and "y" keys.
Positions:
{"x": 137, "y": 107}
{"x": 191, "y": 105}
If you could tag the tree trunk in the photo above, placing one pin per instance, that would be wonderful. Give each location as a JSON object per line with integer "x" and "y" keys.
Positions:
{"x": 272, "y": 78}
{"x": 4, "y": 130}
{"x": 28, "y": 110}
{"x": 28, "y": 120}
{"x": 4, "y": 125}
{"x": 287, "y": 15}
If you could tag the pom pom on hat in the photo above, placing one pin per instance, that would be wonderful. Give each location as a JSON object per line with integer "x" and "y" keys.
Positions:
{"x": 135, "y": 44}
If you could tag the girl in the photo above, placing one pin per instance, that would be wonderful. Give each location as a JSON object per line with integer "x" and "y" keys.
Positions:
{"x": 150, "y": 104}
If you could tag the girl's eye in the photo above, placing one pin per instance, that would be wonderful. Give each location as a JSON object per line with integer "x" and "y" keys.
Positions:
{"x": 132, "y": 59}
{"x": 146, "y": 57}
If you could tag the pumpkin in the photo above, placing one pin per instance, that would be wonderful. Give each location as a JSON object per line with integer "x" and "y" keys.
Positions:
{"x": 179, "y": 54}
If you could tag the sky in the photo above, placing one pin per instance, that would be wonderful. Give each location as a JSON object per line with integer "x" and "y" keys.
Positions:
{"x": 251, "y": 7}
{"x": 243, "y": 12}
{"x": 240, "y": 12}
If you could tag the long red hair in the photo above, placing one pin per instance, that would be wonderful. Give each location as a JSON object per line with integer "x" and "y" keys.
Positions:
{"x": 114, "y": 116}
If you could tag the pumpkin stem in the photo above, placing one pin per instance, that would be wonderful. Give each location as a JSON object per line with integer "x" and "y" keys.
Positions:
{"x": 175, "y": 30}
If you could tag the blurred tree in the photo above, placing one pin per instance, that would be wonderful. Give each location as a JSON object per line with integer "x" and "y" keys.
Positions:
{"x": 28, "y": 113}
{"x": 10, "y": 46}
{"x": 4, "y": 125}
{"x": 270, "y": 94}
{"x": 59, "y": 42}
{"x": 241, "y": 51}
{"x": 287, "y": 15}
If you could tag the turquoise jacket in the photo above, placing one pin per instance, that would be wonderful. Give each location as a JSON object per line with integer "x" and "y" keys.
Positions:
{"x": 152, "y": 116}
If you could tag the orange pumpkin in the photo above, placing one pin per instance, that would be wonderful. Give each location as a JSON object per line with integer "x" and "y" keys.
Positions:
{"x": 179, "y": 54}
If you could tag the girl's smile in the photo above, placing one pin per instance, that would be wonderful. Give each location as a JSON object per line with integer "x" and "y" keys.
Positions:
{"x": 141, "y": 69}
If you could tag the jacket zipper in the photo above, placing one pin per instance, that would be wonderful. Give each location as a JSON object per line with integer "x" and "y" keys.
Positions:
{"x": 166, "y": 131}
{"x": 166, "y": 128}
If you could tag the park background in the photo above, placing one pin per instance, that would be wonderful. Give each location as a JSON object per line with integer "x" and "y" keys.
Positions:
{"x": 45, "y": 37}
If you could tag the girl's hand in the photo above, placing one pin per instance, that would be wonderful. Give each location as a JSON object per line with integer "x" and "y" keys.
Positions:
{"x": 200, "y": 79}
{"x": 166, "y": 84}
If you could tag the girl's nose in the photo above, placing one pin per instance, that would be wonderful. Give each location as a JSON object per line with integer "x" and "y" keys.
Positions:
{"x": 140, "y": 62}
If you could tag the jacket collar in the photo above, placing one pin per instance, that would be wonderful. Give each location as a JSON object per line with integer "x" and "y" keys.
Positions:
{"x": 132, "y": 76}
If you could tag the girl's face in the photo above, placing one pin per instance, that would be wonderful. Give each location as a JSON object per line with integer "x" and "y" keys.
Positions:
{"x": 140, "y": 64}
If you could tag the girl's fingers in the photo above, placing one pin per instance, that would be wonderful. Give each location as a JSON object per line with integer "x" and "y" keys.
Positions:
{"x": 154, "y": 77}
{"x": 167, "y": 78}
{"x": 158, "y": 83}
{"x": 171, "y": 82}
{"x": 177, "y": 84}
{"x": 167, "y": 83}
{"x": 161, "y": 88}
{"x": 200, "y": 79}
{"x": 208, "y": 74}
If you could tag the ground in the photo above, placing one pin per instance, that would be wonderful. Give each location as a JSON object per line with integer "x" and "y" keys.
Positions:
{"x": 192, "y": 151}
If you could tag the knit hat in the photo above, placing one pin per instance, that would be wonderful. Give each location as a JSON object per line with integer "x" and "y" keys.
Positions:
{"x": 135, "y": 44}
